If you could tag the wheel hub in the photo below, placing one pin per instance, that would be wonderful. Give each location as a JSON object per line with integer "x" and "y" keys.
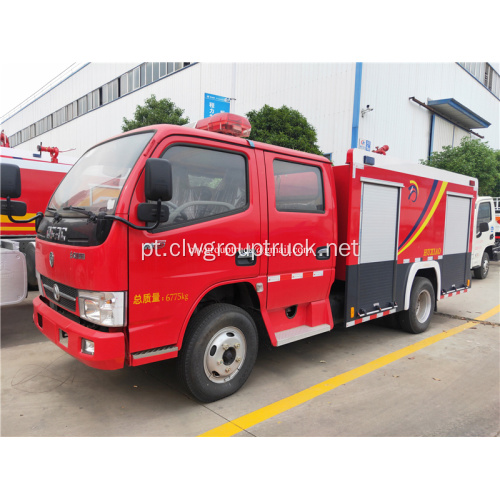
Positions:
{"x": 225, "y": 354}
{"x": 485, "y": 266}
{"x": 423, "y": 306}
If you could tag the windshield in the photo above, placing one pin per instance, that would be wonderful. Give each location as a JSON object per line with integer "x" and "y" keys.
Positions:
{"x": 97, "y": 178}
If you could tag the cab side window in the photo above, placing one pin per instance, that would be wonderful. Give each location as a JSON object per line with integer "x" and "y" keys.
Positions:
{"x": 298, "y": 188}
{"x": 483, "y": 214}
{"x": 207, "y": 183}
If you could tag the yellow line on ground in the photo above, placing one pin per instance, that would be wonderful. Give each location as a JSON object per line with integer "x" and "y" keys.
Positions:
{"x": 258, "y": 416}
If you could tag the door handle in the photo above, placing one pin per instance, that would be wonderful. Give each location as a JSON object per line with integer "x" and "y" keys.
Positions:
{"x": 323, "y": 253}
{"x": 245, "y": 257}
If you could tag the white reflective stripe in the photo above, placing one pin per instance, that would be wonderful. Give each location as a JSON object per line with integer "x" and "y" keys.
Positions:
{"x": 406, "y": 261}
{"x": 430, "y": 258}
{"x": 418, "y": 259}
{"x": 270, "y": 279}
{"x": 297, "y": 276}
{"x": 317, "y": 273}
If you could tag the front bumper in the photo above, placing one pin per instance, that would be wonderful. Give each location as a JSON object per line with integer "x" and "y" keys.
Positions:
{"x": 109, "y": 347}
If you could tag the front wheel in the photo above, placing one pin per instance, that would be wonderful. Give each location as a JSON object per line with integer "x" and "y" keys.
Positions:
{"x": 422, "y": 299}
{"x": 481, "y": 272}
{"x": 218, "y": 352}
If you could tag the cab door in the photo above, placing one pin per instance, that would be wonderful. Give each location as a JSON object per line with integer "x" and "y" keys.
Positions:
{"x": 300, "y": 229}
{"x": 482, "y": 240}
{"x": 214, "y": 211}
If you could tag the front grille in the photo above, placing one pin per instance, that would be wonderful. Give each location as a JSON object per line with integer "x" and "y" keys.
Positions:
{"x": 66, "y": 302}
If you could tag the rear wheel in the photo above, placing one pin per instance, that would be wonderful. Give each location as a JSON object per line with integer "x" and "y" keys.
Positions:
{"x": 481, "y": 272}
{"x": 218, "y": 353}
{"x": 422, "y": 299}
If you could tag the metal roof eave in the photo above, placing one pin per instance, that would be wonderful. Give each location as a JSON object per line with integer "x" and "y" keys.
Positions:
{"x": 458, "y": 113}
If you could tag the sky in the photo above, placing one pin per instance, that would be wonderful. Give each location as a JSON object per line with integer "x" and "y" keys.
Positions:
{"x": 20, "y": 80}
{"x": 314, "y": 34}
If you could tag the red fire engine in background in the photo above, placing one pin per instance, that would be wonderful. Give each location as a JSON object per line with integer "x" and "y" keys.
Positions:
{"x": 177, "y": 242}
{"x": 40, "y": 176}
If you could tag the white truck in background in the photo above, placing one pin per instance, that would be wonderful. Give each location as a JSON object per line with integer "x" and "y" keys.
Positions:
{"x": 486, "y": 243}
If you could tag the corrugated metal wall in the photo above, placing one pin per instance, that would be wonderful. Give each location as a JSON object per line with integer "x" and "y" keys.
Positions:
{"x": 442, "y": 135}
{"x": 446, "y": 134}
{"x": 323, "y": 92}
{"x": 404, "y": 125}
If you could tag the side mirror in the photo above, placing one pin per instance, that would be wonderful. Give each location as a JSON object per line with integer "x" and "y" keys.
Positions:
{"x": 147, "y": 212}
{"x": 484, "y": 227}
{"x": 13, "y": 209}
{"x": 158, "y": 180}
{"x": 10, "y": 180}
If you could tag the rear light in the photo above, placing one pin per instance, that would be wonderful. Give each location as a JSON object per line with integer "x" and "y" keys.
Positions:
{"x": 226, "y": 123}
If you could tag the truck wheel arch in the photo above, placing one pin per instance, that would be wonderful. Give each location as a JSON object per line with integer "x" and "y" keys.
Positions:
{"x": 241, "y": 294}
{"x": 428, "y": 269}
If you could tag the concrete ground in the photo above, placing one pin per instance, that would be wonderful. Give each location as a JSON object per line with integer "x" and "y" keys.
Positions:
{"x": 448, "y": 388}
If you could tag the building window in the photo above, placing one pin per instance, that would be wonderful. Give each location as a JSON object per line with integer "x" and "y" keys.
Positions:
{"x": 484, "y": 73}
{"x": 156, "y": 71}
{"x": 82, "y": 106}
{"x": 111, "y": 90}
{"x": 134, "y": 79}
{"x": 71, "y": 111}
{"x": 137, "y": 78}
{"x": 89, "y": 101}
{"x": 124, "y": 84}
{"x": 488, "y": 76}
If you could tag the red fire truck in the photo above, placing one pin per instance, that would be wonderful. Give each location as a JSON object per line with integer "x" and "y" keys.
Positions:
{"x": 176, "y": 242}
{"x": 40, "y": 173}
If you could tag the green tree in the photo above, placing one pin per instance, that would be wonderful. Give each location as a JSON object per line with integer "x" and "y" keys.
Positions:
{"x": 473, "y": 158}
{"x": 284, "y": 127}
{"x": 154, "y": 112}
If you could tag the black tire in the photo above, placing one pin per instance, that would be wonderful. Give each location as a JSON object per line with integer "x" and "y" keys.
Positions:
{"x": 218, "y": 352}
{"x": 30, "y": 267}
{"x": 422, "y": 301}
{"x": 481, "y": 272}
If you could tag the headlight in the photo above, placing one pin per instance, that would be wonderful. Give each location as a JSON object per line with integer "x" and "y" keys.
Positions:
{"x": 102, "y": 308}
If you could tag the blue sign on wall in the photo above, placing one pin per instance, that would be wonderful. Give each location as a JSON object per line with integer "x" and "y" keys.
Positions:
{"x": 216, "y": 104}
{"x": 364, "y": 144}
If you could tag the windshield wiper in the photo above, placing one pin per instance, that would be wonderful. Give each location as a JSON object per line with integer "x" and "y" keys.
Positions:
{"x": 92, "y": 216}
{"x": 57, "y": 215}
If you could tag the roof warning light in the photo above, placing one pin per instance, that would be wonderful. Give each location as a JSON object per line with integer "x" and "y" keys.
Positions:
{"x": 226, "y": 123}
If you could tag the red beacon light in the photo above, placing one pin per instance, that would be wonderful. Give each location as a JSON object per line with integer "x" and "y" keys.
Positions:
{"x": 226, "y": 123}
{"x": 382, "y": 150}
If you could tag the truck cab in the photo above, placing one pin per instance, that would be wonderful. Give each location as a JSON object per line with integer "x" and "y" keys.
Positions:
{"x": 484, "y": 248}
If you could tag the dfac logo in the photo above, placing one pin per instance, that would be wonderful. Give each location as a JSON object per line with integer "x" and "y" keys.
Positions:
{"x": 413, "y": 191}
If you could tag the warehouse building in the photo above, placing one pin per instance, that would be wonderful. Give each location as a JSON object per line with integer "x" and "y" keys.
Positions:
{"x": 414, "y": 108}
